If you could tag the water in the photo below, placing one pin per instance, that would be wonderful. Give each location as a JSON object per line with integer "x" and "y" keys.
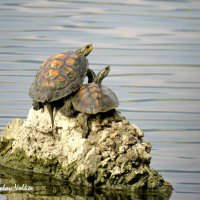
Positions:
{"x": 153, "y": 48}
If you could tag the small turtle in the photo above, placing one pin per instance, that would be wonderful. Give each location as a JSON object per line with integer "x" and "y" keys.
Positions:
{"x": 58, "y": 77}
{"x": 93, "y": 98}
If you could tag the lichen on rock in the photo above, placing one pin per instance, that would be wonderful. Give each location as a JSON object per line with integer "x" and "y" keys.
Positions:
{"x": 113, "y": 155}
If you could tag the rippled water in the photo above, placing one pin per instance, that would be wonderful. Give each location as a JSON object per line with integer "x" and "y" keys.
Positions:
{"x": 153, "y": 48}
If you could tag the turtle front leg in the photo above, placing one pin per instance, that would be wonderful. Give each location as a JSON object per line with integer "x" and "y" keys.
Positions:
{"x": 83, "y": 121}
{"x": 67, "y": 110}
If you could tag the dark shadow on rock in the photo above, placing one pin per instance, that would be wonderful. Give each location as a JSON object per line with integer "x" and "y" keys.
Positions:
{"x": 47, "y": 188}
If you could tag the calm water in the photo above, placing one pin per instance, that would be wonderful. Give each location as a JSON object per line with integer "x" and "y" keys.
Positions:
{"x": 153, "y": 48}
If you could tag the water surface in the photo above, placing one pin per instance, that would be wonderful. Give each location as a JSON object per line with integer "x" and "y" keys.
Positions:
{"x": 153, "y": 48}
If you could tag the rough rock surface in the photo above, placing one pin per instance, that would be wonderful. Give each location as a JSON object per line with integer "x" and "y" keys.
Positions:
{"x": 113, "y": 155}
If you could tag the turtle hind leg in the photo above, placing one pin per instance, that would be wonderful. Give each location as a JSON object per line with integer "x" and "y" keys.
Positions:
{"x": 50, "y": 109}
{"x": 37, "y": 105}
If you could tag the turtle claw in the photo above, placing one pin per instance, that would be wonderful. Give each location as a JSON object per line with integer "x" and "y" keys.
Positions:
{"x": 54, "y": 132}
{"x": 70, "y": 113}
{"x": 84, "y": 135}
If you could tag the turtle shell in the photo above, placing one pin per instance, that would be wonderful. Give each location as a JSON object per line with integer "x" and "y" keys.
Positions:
{"x": 59, "y": 76}
{"x": 93, "y": 98}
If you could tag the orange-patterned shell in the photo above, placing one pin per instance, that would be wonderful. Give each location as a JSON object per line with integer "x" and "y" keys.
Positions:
{"x": 59, "y": 76}
{"x": 93, "y": 98}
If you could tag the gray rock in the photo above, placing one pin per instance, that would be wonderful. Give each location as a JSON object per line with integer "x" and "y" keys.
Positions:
{"x": 113, "y": 155}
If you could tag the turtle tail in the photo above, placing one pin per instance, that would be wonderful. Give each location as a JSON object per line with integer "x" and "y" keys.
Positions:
{"x": 50, "y": 109}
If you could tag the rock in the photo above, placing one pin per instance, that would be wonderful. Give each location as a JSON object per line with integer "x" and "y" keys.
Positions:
{"x": 113, "y": 155}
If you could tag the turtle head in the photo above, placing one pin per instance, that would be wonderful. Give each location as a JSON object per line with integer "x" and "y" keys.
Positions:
{"x": 85, "y": 51}
{"x": 101, "y": 75}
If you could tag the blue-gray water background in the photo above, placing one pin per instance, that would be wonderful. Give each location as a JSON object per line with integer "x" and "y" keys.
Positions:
{"x": 153, "y": 48}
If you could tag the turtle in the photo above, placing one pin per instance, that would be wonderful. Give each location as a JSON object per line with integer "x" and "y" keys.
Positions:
{"x": 93, "y": 98}
{"x": 58, "y": 77}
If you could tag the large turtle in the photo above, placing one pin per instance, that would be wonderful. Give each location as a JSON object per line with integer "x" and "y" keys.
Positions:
{"x": 93, "y": 98}
{"x": 58, "y": 77}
